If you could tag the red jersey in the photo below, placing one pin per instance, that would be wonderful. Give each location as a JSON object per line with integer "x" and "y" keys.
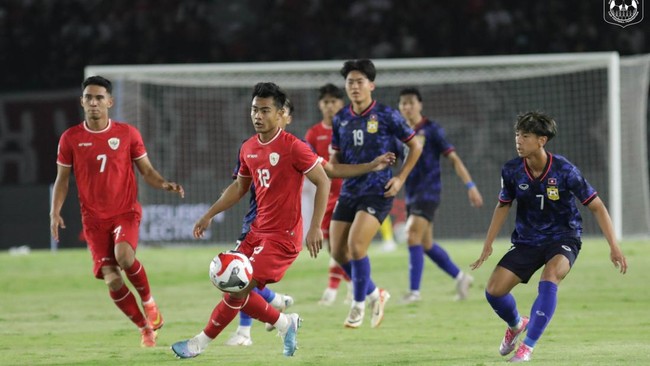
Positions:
{"x": 319, "y": 136}
{"x": 277, "y": 168}
{"x": 102, "y": 162}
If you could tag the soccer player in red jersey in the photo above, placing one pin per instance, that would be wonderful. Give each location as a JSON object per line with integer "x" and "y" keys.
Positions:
{"x": 277, "y": 161}
{"x": 102, "y": 153}
{"x": 319, "y": 136}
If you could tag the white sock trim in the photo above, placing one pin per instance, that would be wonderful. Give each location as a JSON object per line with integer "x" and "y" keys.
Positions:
{"x": 202, "y": 340}
{"x": 282, "y": 324}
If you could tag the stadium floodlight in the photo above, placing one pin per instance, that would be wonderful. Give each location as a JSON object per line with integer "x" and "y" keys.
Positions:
{"x": 194, "y": 117}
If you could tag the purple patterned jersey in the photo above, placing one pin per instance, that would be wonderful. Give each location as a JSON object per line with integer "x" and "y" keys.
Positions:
{"x": 546, "y": 206}
{"x": 362, "y": 137}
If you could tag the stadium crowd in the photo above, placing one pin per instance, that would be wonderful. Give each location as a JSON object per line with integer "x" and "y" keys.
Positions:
{"x": 47, "y": 44}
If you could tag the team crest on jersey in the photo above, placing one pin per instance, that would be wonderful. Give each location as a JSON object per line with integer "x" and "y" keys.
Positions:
{"x": 274, "y": 158}
{"x": 114, "y": 143}
{"x": 553, "y": 193}
{"x": 373, "y": 125}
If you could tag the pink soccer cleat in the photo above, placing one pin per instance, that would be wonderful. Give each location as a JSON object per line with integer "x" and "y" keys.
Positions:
{"x": 510, "y": 339}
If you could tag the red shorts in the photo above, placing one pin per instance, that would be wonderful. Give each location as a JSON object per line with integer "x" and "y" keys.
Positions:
{"x": 325, "y": 225}
{"x": 270, "y": 254}
{"x": 101, "y": 236}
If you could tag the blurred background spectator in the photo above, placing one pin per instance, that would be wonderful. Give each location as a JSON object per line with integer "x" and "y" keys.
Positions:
{"x": 46, "y": 44}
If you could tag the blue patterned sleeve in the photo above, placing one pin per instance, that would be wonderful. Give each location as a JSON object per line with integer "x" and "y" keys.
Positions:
{"x": 580, "y": 188}
{"x": 507, "y": 193}
{"x": 399, "y": 128}
{"x": 439, "y": 139}
{"x": 335, "y": 132}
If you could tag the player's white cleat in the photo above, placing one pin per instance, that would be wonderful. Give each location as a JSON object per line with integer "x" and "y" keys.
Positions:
{"x": 411, "y": 297}
{"x": 512, "y": 335}
{"x": 462, "y": 286}
{"x": 187, "y": 349}
{"x": 355, "y": 317}
{"x": 238, "y": 339}
{"x": 289, "y": 336}
{"x": 523, "y": 354}
{"x": 378, "y": 308}
{"x": 328, "y": 298}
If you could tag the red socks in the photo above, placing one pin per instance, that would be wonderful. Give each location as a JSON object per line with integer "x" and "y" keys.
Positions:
{"x": 138, "y": 278}
{"x": 125, "y": 300}
{"x": 227, "y": 309}
{"x": 336, "y": 275}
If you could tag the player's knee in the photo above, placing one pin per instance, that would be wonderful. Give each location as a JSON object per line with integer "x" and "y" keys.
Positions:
{"x": 358, "y": 251}
{"x": 339, "y": 254}
{"x": 124, "y": 254}
{"x": 495, "y": 289}
{"x": 113, "y": 280}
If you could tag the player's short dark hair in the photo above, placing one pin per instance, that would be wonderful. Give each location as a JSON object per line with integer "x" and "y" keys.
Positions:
{"x": 411, "y": 91}
{"x": 331, "y": 90}
{"x": 288, "y": 105}
{"x": 538, "y": 123}
{"x": 270, "y": 90}
{"x": 364, "y": 66}
{"x": 99, "y": 81}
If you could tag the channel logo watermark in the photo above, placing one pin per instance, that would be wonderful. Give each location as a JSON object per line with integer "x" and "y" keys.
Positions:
{"x": 623, "y": 12}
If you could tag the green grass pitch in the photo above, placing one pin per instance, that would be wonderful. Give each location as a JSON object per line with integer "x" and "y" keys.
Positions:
{"x": 53, "y": 312}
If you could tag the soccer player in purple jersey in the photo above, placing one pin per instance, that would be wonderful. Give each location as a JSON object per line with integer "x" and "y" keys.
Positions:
{"x": 360, "y": 131}
{"x": 422, "y": 189}
{"x": 547, "y": 231}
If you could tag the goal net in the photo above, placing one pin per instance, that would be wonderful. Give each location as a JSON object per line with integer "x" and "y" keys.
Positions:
{"x": 193, "y": 119}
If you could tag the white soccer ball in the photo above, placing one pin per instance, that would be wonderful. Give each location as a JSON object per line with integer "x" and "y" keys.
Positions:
{"x": 231, "y": 271}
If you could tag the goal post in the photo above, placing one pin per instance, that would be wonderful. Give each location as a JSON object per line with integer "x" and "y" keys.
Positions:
{"x": 193, "y": 118}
